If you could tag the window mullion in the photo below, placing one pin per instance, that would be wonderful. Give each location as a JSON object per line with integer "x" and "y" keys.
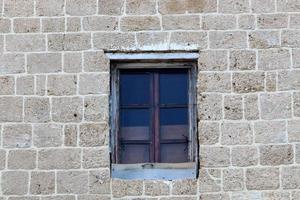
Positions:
{"x": 156, "y": 120}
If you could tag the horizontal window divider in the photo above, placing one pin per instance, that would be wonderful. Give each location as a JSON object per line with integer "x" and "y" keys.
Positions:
{"x": 174, "y": 141}
{"x": 135, "y": 141}
{"x": 134, "y": 106}
{"x": 173, "y": 105}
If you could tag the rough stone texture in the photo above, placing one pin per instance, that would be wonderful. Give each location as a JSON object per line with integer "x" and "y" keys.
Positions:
{"x": 14, "y": 182}
{"x": 16, "y": 159}
{"x": 262, "y": 178}
{"x": 270, "y": 132}
{"x": 276, "y": 154}
{"x": 55, "y": 95}
{"x": 42, "y": 182}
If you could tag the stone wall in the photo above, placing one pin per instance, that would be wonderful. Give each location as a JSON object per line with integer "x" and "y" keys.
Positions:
{"x": 54, "y": 92}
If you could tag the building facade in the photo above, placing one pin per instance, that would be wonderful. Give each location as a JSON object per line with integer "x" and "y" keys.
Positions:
{"x": 55, "y": 93}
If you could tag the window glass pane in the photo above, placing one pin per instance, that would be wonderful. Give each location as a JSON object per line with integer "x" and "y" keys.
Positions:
{"x": 174, "y": 153}
{"x": 135, "y": 133}
{"x": 135, "y": 117}
{"x": 170, "y": 132}
{"x": 137, "y": 153}
{"x": 134, "y": 89}
{"x": 172, "y": 116}
{"x": 173, "y": 88}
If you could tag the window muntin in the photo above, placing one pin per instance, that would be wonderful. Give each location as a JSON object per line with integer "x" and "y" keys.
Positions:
{"x": 154, "y": 119}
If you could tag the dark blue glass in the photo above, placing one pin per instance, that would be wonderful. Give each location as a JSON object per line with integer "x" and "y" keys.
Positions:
{"x": 134, "y": 88}
{"x": 135, "y": 117}
{"x": 172, "y": 116}
{"x": 173, "y": 88}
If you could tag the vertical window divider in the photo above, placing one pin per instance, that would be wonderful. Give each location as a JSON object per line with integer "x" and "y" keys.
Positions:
{"x": 157, "y": 124}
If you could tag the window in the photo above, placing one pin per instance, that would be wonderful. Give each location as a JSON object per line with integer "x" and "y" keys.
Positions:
{"x": 153, "y": 122}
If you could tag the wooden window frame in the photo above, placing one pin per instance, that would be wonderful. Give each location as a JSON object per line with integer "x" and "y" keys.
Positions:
{"x": 167, "y": 171}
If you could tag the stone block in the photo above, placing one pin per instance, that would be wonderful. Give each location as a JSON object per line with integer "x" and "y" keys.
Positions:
{"x": 290, "y": 38}
{"x": 59, "y": 158}
{"x": 296, "y": 58}
{"x": 228, "y": 40}
{"x": 2, "y": 159}
{"x": 181, "y": 22}
{"x": 251, "y": 111}
{"x": 44, "y": 63}
{"x": 96, "y": 62}
{"x": 156, "y": 188}
{"x": 141, "y": 7}
{"x": 92, "y": 135}
{"x": 209, "y": 133}
{"x": 244, "y": 156}
{"x": 95, "y": 158}
{"x": 236, "y": 133}
{"x": 72, "y": 182}
{"x": 72, "y": 62}
{"x": 214, "y": 156}
{"x": 296, "y": 104}
{"x": 114, "y": 41}
{"x": 26, "y": 25}
{"x": 18, "y": 8}
{"x": 40, "y": 85}
{"x": 215, "y": 60}
{"x": 289, "y": 80}
{"x": 153, "y": 40}
{"x": 209, "y": 180}
{"x": 290, "y": 177}
{"x": 100, "y": 23}
{"x": 271, "y": 81}
{"x": 37, "y": 109}
{"x": 25, "y": 43}
{"x": 17, "y": 136}
{"x": 25, "y": 85}
{"x": 276, "y": 154}
{"x": 53, "y": 24}
{"x": 67, "y": 109}
{"x": 139, "y": 23}
{"x": 273, "y": 59}
{"x": 295, "y": 21}
{"x": 107, "y": 7}
{"x": 42, "y": 182}
{"x": 5, "y": 25}
{"x": 188, "y": 40}
{"x": 122, "y": 188}
{"x": 70, "y": 135}
{"x": 61, "y": 85}
{"x": 275, "y": 106}
{"x": 12, "y": 63}
{"x": 21, "y": 159}
{"x": 47, "y": 135}
{"x": 272, "y": 21}
{"x": 233, "y": 179}
{"x": 288, "y": 6}
{"x": 214, "y": 82}
{"x": 247, "y": 82}
{"x": 267, "y": 132}
{"x": 96, "y": 108}
{"x": 93, "y": 84}
{"x": 210, "y": 107}
{"x": 234, "y": 6}
{"x": 218, "y": 22}
{"x": 79, "y": 8}
{"x": 7, "y": 85}
{"x": 233, "y": 107}
{"x": 69, "y": 42}
{"x": 14, "y": 182}
{"x": 246, "y": 22}
{"x": 73, "y": 24}
{"x": 266, "y": 178}
{"x": 263, "y": 6}
{"x": 99, "y": 182}
{"x": 11, "y": 109}
{"x": 264, "y": 39}
{"x": 242, "y": 60}
{"x": 50, "y": 7}
{"x": 184, "y": 187}
{"x": 293, "y": 129}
